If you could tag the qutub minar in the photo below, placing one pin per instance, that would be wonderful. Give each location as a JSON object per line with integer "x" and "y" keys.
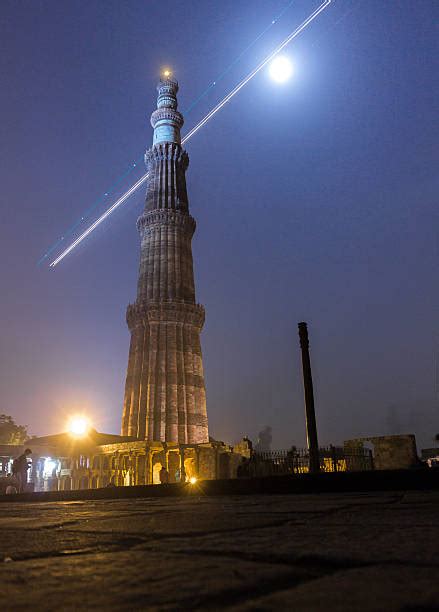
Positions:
{"x": 165, "y": 398}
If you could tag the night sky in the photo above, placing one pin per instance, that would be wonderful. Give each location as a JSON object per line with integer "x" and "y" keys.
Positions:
{"x": 314, "y": 200}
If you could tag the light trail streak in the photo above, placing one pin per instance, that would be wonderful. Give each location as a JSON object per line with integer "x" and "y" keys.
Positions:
{"x": 255, "y": 71}
{"x": 116, "y": 183}
{"x": 86, "y": 213}
{"x": 236, "y": 60}
{"x": 102, "y": 218}
{"x": 112, "y": 188}
{"x": 197, "y": 127}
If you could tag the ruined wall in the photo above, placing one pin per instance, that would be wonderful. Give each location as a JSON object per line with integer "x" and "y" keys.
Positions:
{"x": 207, "y": 463}
{"x": 390, "y": 452}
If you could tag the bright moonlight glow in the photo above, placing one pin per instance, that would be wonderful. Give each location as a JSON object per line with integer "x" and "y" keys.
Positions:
{"x": 79, "y": 426}
{"x": 281, "y": 69}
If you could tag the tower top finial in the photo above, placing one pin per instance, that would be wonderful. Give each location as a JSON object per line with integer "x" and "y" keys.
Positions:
{"x": 168, "y": 89}
{"x": 166, "y": 120}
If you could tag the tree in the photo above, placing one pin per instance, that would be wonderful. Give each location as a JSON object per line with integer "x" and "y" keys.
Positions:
{"x": 10, "y": 432}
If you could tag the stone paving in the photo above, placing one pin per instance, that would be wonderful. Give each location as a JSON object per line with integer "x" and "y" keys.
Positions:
{"x": 370, "y": 551}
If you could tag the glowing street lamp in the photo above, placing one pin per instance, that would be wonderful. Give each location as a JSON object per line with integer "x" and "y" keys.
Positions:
{"x": 79, "y": 426}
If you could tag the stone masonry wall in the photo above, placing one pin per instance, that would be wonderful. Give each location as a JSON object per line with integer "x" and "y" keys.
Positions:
{"x": 390, "y": 452}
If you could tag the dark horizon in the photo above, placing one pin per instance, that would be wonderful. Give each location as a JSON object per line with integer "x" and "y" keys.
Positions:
{"x": 315, "y": 201}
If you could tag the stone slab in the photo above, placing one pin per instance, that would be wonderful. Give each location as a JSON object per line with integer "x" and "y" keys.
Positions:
{"x": 345, "y": 551}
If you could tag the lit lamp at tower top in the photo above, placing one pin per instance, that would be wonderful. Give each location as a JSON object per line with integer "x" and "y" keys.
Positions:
{"x": 167, "y": 121}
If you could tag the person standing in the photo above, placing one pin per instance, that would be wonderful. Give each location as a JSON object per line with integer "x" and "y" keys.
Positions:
{"x": 20, "y": 468}
{"x": 164, "y": 475}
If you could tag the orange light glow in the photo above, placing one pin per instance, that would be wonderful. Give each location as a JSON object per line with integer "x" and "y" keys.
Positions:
{"x": 79, "y": 426}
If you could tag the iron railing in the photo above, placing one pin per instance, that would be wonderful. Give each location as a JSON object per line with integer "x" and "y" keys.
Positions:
{"x": 296, "y": 461}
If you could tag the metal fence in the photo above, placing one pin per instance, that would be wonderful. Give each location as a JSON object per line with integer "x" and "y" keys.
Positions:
{"x": 296, "y": 461}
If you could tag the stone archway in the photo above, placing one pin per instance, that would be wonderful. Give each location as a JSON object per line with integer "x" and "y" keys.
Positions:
{"x": 141, "y": 470}
{"x": 156, "y": 473}
{"x": 174, "y": 466}
{"x": 94, "y": 482}
{"x": 189, "y": 468}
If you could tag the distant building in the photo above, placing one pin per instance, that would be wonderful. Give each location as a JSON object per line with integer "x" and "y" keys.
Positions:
{"x": 62, "y": 462}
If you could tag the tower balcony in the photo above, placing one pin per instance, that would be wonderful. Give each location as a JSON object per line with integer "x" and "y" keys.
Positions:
{"x": 160, "y": 217}
{"x": 146, "y": 312}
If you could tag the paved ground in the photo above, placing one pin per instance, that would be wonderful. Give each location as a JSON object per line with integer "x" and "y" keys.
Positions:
{"x": 281, "y": 552}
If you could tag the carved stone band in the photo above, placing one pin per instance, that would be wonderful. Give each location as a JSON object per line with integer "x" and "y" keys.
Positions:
{"x": 169, "y": 151}
{"x": 149, "y": 221}
{"x": 167, "y": 114}
{"x": 147, "y": 313}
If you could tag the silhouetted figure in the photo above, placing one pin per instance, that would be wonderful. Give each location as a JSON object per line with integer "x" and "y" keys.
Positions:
{"x": 164, "y": 476}
{"x": 265, "y": 438}
{"x": 20, "y": 468}
{"x": 243, "y": 470}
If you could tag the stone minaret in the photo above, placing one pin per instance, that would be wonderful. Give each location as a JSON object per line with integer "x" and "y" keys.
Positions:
{"x": 165, "y": 398}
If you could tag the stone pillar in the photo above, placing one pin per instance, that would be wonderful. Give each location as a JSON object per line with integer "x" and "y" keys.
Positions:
{"x": 311, "y": 426}
{"x": 182, "y": 466}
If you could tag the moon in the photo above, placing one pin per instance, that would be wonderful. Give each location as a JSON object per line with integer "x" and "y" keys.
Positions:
{"x": 281, "y": 69}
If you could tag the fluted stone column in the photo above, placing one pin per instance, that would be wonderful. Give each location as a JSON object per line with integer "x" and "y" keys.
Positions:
{"x": 165, "y": 398}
